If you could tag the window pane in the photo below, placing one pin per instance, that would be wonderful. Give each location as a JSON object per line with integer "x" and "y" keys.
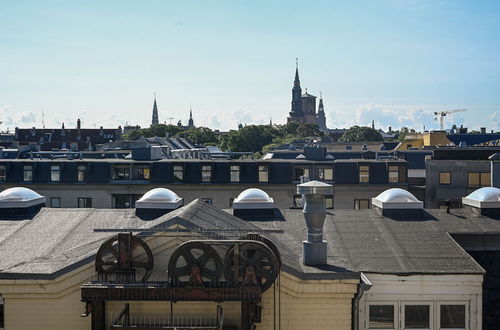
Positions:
{"x": 81, "y": 173}
{"x": 473, "y": 179}
{"x": 3, "y": 173}
{"x": 235, "y": 173}
{"x": 55, "y": 202}
{"x": 84, "y": 202}
{"x": 178, "y": 173}
{"x": 381, "y": 317}
{"x": 54, "y": 173}
{"x": 206, "y": 173}
{"x": 263, "y": 173}
{"x": 417, "y": 316}
{"x": 121, "y": 172}
{"x": 28, "y": 173}
{"x": 393, "y": 176}
{"x": 444, "y": 178}
{"x": 485, "y": 179}
{"x": 452, "y": 316}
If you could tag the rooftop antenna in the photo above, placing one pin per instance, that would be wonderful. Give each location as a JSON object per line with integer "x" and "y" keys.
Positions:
{"x": 43, "y": 119}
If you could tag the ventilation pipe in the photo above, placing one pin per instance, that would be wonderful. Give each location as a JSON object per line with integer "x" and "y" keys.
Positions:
{"x": 313, "y": 192}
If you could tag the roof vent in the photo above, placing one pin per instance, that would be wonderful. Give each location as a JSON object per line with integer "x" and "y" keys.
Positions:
{"x": 20, "y": 202}
{"x": 157, "y": 202}
{"x": 329, "y": 157}
{"x": 487, "y": 198}
{"x": 300, "y": 156}
{"x": 253, "y": 201}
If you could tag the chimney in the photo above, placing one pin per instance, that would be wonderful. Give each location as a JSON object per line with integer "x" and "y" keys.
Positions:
{"x": 78, "y": 129}
{"x": 101, "y": 131}
{"x": 314, "y": 249}
{"x": 483, "y": 130}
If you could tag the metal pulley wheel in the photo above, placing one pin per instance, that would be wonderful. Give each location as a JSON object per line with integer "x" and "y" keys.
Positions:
{"x": 195, "y": 263}
{"x": 255, "y": 260}
{"x": 108, "y": 260}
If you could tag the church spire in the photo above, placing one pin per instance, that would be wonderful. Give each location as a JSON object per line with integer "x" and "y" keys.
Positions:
{"x": 296, "y": 82}
{"x": 296, "y": 94}
{"x": 191, "y": 121}
{"x": 154, "y": 120}
{"x": 321, "y": 107}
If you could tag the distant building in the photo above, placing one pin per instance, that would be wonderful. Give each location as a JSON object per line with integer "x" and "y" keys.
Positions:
{"x": 304, "y": 106}
{"x": 154, "y": 120}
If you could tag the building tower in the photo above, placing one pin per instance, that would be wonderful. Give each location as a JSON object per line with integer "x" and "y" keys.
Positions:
{"x": 296, "y": 114}
{"x": 321, "y": 118}
{"x": 154, "y": 120}
{"x": 190, "y": 122}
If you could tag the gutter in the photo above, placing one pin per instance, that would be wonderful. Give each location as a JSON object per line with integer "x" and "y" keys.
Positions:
{"x": 364, "y": 285}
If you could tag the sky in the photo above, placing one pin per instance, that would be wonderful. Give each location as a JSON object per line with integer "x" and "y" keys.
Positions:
{"x": 394, "y": 62}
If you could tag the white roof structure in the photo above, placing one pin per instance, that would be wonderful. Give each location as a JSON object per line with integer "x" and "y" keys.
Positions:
{"x": 396, "y": 198}
{"x": 159, "y": 198}
{"x": 20, "y": 197}
{"x": 253, "y": 198}
{"x": 483, "y": 198}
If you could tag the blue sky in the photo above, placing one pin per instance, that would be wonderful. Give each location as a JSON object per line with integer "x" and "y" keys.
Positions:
{"x": 233, "y": 61}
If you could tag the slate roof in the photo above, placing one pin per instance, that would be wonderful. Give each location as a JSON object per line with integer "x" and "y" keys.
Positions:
{"x": 364, "y": 240}
{"x": 56, "y": 241}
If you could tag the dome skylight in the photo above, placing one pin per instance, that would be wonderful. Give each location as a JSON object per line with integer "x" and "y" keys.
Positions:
{"x": 159, "y": 198}
{"x": 20, "y": 197}
{"x": 253, "y": 198}
{"x": 487, "y": 197}
{"x": 396, "y": 198}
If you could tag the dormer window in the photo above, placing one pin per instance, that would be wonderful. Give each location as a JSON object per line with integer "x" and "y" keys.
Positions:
{"x": 263, "y": 173}
{"x": 121, "y": 172}
{"x": 206, "y": 173}
{"x": 55, "y": 173}
{"x": 3, "y": 173}
{"x": 27, "y": 173}
{"x": 235, "y": 174}
{"x": 82, "y": 173}
{"x": 325, "y": 174}
{"x": 178, "y": 173}
{"x": 393, "y": 174}
{"x": 364, "y": 174}
{"x": 479, "y": 179}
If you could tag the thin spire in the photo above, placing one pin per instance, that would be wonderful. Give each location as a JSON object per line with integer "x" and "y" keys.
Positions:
{"x": 296, "y": 83}
{"x": 155, "y": 120}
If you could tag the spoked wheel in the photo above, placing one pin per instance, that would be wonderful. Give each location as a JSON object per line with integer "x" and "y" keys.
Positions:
{"x": 257, "y": 265}
{"x": 108, "y": 259}
{"x": 195, "y": 264}
{"x": 270, "y": 244}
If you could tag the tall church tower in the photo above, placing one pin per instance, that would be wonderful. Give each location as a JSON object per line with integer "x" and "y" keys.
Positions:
{"x": 154, "y": 120}
{"x": 296, "y": 114}
{"x": 321, "y": 118}
{"x": 191, "y": 121}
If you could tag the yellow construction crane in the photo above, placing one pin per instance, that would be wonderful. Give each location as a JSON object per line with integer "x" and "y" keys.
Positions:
{"x": 444, "y": 113}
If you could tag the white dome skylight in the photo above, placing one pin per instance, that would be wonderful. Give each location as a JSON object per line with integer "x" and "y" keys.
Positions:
{"x": 253, "y": 198}
{"x": 396, "y": 198}
{"x": 159, "y": 198}
{"x": 487, "y": 197}
{"x": 20, "y": 197}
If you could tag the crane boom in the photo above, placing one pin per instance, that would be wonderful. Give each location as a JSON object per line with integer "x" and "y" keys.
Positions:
{"x": 442, "y": 114}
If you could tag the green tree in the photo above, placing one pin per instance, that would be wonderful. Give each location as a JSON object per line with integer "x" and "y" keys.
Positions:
{"x": 160, "y": 130}
{"x": 404, "y": 131}
{"x": 361, "y": 134}
{"x": 249, "y": 138}
{"x": 200, "y": 135}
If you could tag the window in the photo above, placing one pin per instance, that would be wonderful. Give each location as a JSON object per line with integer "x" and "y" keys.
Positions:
{"x": 82, "y": 173}
{"x": 329, "y": 201}
{"x": 364, "y": 173}
{"x": 125, "y": 201}
{"x": 325, "y": 174}
{"x": 444, "y": 178}
{"x": 28, "y": 173}
{"x": 361, "y": 204}
{"x": 263, "y": 173}
{"x": 55, "y": 202}
{"x": 235, "y": 173}
{"x": 300, "y": 172}
{"x": 141, "y": 172}
{"x": 381, "y": 317}
{"x": 84, "y": 202}
{"x": 178, "y": 173}
{"x": 206, "y": 173}
{"x": 479, "y": 179}
{"x": 3, "y": 172}
{"x": 207, "y": 200}
{"x": 417, "y": 316}
{"x": 2, "y": 314}
{"x": 393, "y": 173}
{"x": 297, "y": 201}
{"x": 55, "y": 173}
{"x": 121, "y": 172}
{"x": 452, "y": 316}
